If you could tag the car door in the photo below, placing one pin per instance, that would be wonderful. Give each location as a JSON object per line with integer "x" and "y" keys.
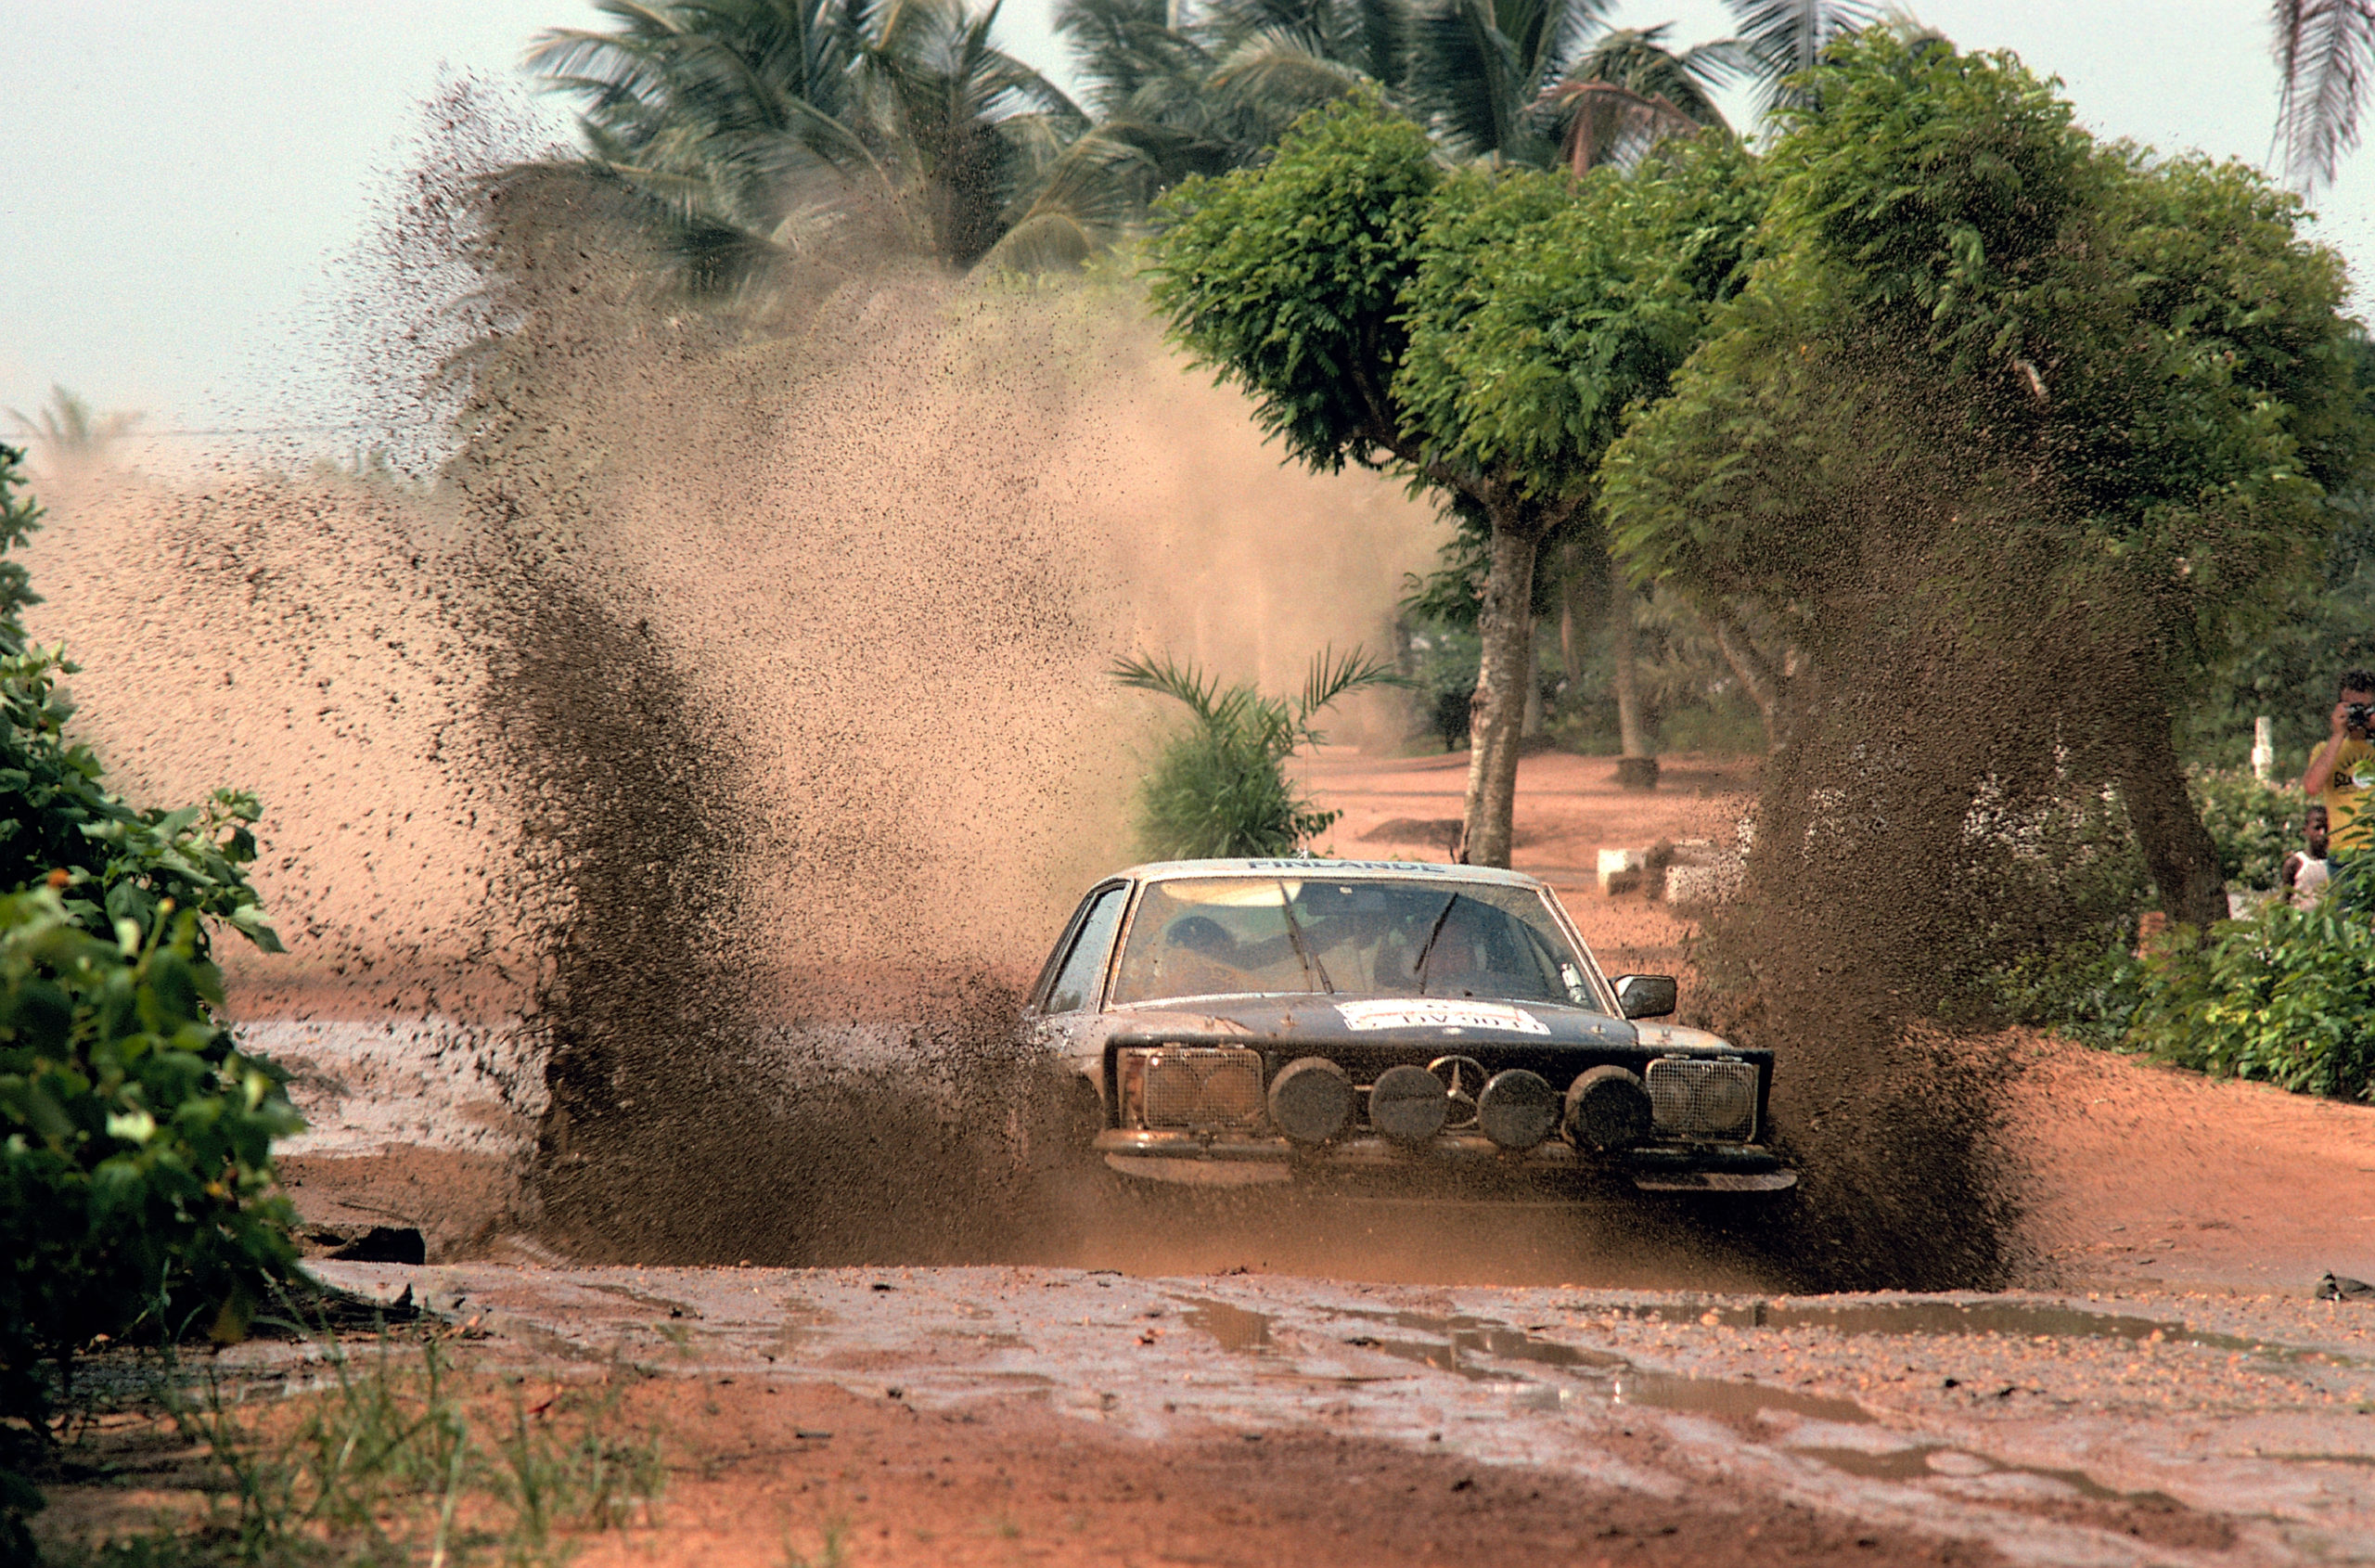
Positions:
{"x": 1065, "y": 1007}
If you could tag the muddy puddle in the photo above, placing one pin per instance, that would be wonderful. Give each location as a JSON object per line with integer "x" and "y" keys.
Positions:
{"x": 1938, "y": 1462}
{"x": 2036, "y": 1321}
{"x": 1485, "y": 1350}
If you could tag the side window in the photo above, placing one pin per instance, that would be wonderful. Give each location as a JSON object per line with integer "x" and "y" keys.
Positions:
{"x": 1076, "y": 983}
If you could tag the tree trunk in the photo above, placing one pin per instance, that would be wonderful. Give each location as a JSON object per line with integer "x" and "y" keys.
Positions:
{"x": 2177, "y": 848}
{"x": 1532, "y": 729}
{"x": 1570, "y": 642}
{"x": 1755, "y": 676}
{"x": 1497, "y": 713}
{"x": 1632, "y": 737}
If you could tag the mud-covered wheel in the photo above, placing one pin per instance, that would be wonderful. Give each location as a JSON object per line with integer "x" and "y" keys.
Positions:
{"x": 1060, "y": 1146}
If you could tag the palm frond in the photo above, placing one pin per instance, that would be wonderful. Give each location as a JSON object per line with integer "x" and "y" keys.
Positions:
{"x": 1182, "y": 683}
{"x": 1333, "y": 676}
{"x": 2325, "y": 51}
{"x": 1465, "y": 81}
{"x": 1786, "y": 38}
{"x": 1280, "y": 75}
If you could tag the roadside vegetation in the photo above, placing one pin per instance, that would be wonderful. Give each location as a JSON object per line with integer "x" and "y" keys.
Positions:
{"x": 136, "y": 1195}
{"x": 1219, "y": 788}
{"x": 373, "y": 1451}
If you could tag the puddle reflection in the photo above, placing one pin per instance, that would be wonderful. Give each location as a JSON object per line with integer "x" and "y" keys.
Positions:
{"x": 2016, "y": 1319}
{"x": 1937, "y": 1461}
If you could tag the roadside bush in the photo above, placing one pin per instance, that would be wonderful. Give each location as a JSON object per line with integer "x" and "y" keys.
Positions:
{"x": 2286, "y": 997}
{"x": 2254, "y": 825}
{"x": 136, "y": 1178}
{"x": 1221, "y": 790}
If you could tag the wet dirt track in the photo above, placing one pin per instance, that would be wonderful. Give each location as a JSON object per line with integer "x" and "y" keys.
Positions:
{"x": 1036, "y": 1414}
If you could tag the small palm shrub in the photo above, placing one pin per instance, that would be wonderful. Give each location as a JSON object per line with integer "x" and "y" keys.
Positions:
{"x": 1220, "y": 789}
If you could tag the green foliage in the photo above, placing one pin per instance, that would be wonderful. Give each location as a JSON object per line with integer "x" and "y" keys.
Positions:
{"x": 2254, "y": 825}
{"x": 2320, "y": 627}
{"x": 1288, "y": 279}
{"x": 1541, "y": 311}
{"x": 753, "y": 131}
{"x": 2286, "y": 997}
{"x": 1220, "y": 790}
{"x": 2129, "y": 374}
{"x": 19, "y": 518}
{"x": 136, "y": 1181}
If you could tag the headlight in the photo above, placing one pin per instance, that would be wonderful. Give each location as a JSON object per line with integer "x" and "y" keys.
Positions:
{"x": 1191, "y": 1086}
{"x": 1699, "y": 1097}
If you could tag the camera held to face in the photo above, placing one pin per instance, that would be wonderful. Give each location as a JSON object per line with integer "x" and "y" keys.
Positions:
{"x": 2358, "y": 715}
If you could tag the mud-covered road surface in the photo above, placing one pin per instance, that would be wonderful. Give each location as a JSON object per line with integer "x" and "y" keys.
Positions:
{"x": 1002, "y": 1415}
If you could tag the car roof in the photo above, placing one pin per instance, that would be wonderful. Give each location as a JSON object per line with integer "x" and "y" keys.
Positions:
{"x": 1310, "y": 866}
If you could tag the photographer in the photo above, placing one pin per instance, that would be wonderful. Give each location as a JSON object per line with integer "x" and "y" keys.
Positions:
{"x": 2343, "y": 768}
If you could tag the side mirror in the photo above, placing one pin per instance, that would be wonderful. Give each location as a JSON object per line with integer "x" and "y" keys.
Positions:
{"x": 1645, "y": 996}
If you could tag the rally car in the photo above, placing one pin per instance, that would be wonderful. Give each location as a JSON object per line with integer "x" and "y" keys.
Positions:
{"x": 1234, "y": 1021}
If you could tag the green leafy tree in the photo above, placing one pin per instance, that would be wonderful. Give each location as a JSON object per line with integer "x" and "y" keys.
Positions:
{"x": 2016, "y": 436}
{"x": 1482, "y": 334}
{"x": 1221, "y": 790}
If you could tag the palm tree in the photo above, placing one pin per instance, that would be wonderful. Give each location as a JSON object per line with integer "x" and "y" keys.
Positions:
{"x": 1784, "y": 39}
{"x": 2326, "y": 49}
{"x": 1629, "y": 90}
{"x": 71, "y": 435}
{"x": 757, "y": 128}
{"x": 1212, "y": 90}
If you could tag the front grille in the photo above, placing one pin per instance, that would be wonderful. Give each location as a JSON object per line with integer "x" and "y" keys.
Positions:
{"x": 1698, "y": 1098}
{"x": 1202, "y": 1087}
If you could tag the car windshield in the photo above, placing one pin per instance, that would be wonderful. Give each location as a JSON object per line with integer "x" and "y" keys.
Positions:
{"x": 1259, "y": 935}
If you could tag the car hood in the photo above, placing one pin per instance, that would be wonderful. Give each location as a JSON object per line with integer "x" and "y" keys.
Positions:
{"x": 1380, "y": 1021}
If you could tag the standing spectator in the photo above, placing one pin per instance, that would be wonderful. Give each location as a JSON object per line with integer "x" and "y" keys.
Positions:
{"x": 2343, "y": 768}
{"x": 2305, "y": 872}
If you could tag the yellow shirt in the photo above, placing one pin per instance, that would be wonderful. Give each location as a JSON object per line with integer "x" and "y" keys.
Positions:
{"x": 2346, "y": 788}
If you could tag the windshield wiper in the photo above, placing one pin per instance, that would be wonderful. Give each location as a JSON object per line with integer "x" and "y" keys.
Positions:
{"x": 1311, "y": 964}
{"x": 1427, "y": 949}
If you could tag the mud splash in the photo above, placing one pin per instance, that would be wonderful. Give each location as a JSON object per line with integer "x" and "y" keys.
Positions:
{"x": 723, "y": 729}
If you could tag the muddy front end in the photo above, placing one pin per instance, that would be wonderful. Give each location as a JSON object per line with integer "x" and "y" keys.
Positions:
{"x": 1475, "y": 1100}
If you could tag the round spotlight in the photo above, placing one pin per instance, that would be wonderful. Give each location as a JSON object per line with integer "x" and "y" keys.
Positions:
{"x": 1518, "y": 1108}
{"x": 1606, "y": 1108}
{"x": 1311, "y": 1100}
{"x": 1407, "y": 1104}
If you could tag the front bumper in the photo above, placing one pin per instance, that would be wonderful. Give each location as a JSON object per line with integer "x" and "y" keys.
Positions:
{"x": 1204, "y": 1159}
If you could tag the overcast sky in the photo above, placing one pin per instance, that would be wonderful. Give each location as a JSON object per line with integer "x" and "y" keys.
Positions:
{"x": 182, "y": 175}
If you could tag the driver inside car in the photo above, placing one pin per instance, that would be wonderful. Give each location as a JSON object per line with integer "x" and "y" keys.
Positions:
{"x": 1200, "y": 956}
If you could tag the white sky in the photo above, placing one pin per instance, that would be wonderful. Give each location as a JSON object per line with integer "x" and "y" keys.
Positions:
{"x": 181, "y": 173}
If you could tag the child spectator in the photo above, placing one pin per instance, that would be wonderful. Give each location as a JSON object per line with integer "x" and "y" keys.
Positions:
{"x": 2305, "y": 872}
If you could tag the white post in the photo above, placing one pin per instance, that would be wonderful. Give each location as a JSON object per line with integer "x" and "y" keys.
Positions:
{"x": 2263, "y": 747}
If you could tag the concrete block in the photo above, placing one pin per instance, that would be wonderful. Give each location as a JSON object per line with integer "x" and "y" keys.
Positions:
{"x": 1702, "y": 886}
{"x": 1620, "y": 869}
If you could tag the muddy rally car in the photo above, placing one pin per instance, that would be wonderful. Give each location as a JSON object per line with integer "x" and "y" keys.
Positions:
{"x": 1239, "y": 1021}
